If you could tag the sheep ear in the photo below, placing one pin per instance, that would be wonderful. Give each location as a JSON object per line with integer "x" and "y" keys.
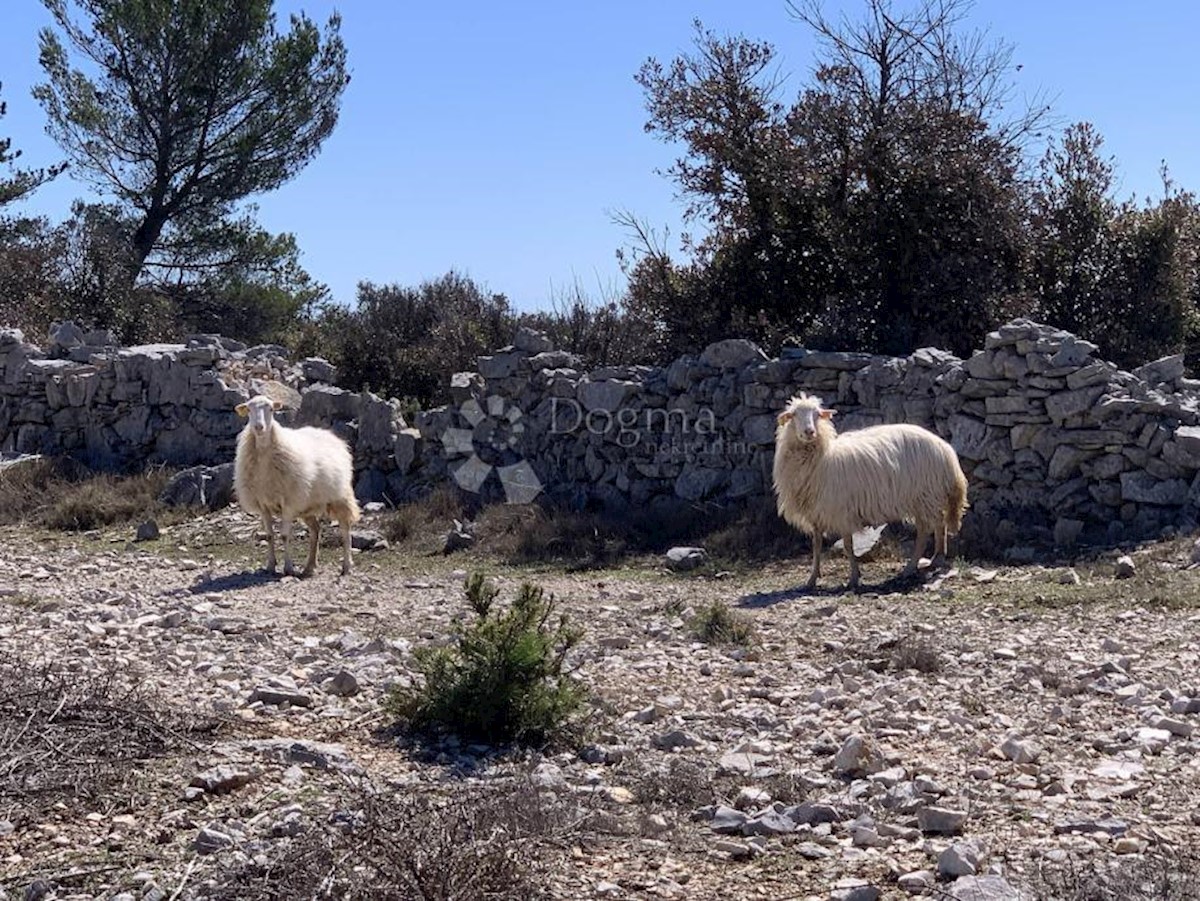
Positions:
{"x": 784, "y": 418}
{"x": 242, "y": 410}
{"x": 276, "y": 405}
{"x": 827, "y": 414}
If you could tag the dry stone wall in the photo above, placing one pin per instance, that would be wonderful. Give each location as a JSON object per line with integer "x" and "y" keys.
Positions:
{"x": 1058, "y": 444}
{"x": 120, "y": 408}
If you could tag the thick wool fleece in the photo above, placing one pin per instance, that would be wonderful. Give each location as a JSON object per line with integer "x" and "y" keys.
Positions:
{"x": 295, "y": 473}
{"x": 881, "y": 474}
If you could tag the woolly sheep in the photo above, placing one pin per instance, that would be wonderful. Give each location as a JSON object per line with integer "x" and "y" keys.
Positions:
{"x": 830, "y": 483}
{"x": 294, "y": 474}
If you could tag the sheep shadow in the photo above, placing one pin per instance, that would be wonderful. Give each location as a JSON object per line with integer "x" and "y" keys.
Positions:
{"x": 896, "y": 584}
{"x": 235, "y": 581}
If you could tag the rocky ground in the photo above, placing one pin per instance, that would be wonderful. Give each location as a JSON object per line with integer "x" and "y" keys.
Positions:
{"x": 969, "y": 736}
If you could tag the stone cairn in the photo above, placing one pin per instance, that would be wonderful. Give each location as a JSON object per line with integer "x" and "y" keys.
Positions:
{"x": 1058, "y": 445}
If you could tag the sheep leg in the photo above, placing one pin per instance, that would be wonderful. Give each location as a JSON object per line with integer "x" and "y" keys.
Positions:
{"x": 314, "y": 534}
{"x": 816, "y": 564}
{"x": 848, "y": 541}
{"x": 270, "y": 530}
{"x": 939, "y": 546}
{"x": 915, "y": 563}
{"x": 286, "y": 528}
{"x": 345, "y": 524}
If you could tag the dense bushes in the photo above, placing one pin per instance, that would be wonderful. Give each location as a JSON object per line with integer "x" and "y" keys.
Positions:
{"x": 404, "y": 342}
{"x": 892, "y": 203}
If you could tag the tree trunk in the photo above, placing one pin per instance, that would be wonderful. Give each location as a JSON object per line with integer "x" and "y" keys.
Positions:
{"x": 144, "y": 239}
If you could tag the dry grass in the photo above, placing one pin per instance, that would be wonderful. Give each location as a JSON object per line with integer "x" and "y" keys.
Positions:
{"x": 65, "y": 496}
{"x": 395, "y": 844}
{"x": 593, "y": 540}
{"x": 715, "y": 623}
{"x": 1162, "y": 874}
{"x": 423, "y": 523}
{"x": 916, "y": 652}
{"x": 67, "y": 738}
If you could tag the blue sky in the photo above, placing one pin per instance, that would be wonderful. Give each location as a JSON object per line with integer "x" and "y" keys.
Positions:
{"x": 498, "y": 138}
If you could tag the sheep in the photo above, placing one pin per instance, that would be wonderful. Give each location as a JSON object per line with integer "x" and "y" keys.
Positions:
{"x": 302, "y": 473}
{"x": 830, "y": 483}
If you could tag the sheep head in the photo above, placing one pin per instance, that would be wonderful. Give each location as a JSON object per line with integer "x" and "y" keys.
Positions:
{"x": 260, "y": 411}
{"x": 805, "y": 415}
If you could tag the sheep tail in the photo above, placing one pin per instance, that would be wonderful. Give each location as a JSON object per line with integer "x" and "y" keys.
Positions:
{"x": 345, "y": 510}
{"x": 958, "y": 502}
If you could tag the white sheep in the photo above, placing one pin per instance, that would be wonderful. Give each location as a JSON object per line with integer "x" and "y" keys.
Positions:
{"x": 294, "y": 474}
{"x": 886, "y": 473}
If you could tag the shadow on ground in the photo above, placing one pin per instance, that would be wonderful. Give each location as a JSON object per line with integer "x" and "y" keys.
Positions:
{"x": 235, "y": 581}
{"x": 894, "y": 585}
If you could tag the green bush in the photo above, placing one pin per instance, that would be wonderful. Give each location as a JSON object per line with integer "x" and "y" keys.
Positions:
{"x": 717, "y": 624}
{"x": 504, "y": 678}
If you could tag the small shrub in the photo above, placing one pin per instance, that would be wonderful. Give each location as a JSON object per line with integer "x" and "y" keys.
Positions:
{"x": 504, "y": 678}
{"x": 916, "y": 653}
{"x": 717, "y": 624}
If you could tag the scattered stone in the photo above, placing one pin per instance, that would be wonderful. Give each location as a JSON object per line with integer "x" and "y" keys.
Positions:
{"x": 147, "y": 531}
{"x": 368, "y": 540}
{"x": 210, "y": 841}
{"x": 676, "y": 739}
{"x": 864, "y": 540}
{"x": 960, "y": 859}
{"x": 858, "y": 756}
{"x": 811, "y": 814}
{"x": 985, "y": 888}
{"x": 685, "y": 559}
{"x": 1019, "y": 750}
{"x": 940, "y": 820}
{"x": 851, "y": 889}
{"x": 1128, "y": 845}
{"x": 1109, "y": 826}
{"x": 749, "y": 798}
{"x": 459, "y": 538}
{"x": 280, "y": 696}
{"x": 727, "y": 821}
{"x": 222, "y": 779}
{"x": 747, "y": 764}
{"x": 769, "y": 823}
{"x": 344, "y": 684}
{"x": 917, "y": 882}
{"x": 1175, "y": 727}
{"x": 736, "y": 850}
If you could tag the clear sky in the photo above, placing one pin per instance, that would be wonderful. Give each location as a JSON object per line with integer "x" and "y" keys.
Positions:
{"x": 498, "y": 138}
